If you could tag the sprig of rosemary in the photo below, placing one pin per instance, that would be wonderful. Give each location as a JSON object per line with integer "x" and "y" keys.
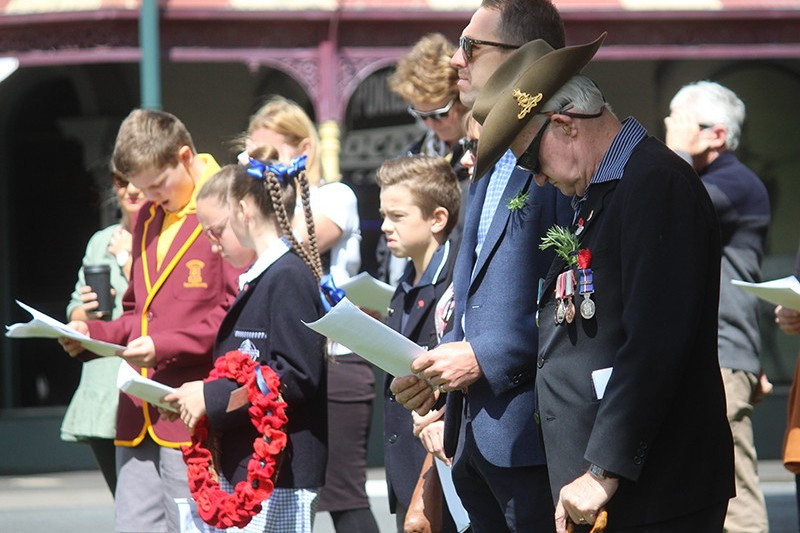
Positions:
{"x": 565, "y": 243}
{"x": 517, "y": 202}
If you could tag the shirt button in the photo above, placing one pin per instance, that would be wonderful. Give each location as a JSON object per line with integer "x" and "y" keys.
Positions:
{"x": 149, "y": 315}
{"x": 392, "y": 438}
{"x": 540, "y": 362}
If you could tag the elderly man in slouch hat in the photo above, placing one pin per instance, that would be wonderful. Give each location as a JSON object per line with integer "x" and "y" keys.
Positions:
{"x": 630, "y": 398}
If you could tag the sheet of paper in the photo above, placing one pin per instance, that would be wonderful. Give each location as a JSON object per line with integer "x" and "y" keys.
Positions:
{"x": 135, "y": 384}
{"x": 45, "y": 327}
{"x": 368, "y": 292}
{"x": 784, "y": 291}
{"x": 373, "y": 340}
{"x": 600, "y": 381}
{"x": 457, "y": 511}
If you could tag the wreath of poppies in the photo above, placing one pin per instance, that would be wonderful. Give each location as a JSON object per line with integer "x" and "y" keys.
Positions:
{"x": 268, "y": 414}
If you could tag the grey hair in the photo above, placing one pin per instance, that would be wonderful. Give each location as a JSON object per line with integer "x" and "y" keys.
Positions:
{"x": 580, "y": 95}
{"x": 711, "y": 103}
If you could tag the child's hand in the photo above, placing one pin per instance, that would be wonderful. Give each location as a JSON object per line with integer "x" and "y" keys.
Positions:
{"x": 141, "y": 352}
{"x": 190, "y": 402}
{"x": 71, "y": 346}
{"x": 788, "y": 320}
{"x": 168, "y": 415}
{"x": 430, "y": 431}
{"x": 371, "y": 312}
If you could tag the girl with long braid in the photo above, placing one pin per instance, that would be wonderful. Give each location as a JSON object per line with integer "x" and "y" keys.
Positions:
{"x": 250, "y": 206}
{"x": 351, "y": 381}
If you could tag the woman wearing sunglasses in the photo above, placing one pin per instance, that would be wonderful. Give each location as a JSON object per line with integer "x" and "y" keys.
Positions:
{"x": 427, "y": 82}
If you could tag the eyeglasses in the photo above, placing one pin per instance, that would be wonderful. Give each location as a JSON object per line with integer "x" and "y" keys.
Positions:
{"x": 466, "y": 44}
{"x": 436, "y": 114}
{"x": 469, "y": 145}
{"x": 214, "y": 233}
{"x": 529, "y": 160}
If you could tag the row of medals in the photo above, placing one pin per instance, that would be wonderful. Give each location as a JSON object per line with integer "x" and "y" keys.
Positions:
{"x": 565, "y": 290}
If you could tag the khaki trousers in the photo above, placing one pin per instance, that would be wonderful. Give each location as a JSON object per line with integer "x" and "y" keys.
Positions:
{"x": 747, "y": 512}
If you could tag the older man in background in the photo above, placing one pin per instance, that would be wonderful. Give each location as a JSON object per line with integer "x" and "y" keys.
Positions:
{"x": 704, "y": 127}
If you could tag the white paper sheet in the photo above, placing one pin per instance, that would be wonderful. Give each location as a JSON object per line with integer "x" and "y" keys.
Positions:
{"x": 784, "y": 291}
{"x": 600, "y": 379}
{"x": 45, "y": 327}
{"x": 457, "y": 511}
{"x": 367, "y": 292}
{"x": 373, "y": 340}
{"x": 135, "y": 384}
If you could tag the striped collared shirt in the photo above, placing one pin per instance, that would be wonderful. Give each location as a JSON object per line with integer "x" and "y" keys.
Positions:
{"x": 613, "y": 163}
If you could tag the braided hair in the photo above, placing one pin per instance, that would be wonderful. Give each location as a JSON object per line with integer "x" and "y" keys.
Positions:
{"x": 273, "y": 187}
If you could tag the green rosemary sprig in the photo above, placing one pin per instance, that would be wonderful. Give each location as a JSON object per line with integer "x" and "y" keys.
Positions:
{"x": 565, "y": 243}
{"x": 518, "y": 201}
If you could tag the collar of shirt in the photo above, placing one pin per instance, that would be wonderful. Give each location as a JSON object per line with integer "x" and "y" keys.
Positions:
{"x": 209, "y": 169}
{"x": 613, "y": 163}
{"x": 432, "y": 272}
{"x": 270, "y": 255}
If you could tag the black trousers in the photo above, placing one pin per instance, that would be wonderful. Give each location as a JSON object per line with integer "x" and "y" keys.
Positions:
{"x": 502, "y": 499}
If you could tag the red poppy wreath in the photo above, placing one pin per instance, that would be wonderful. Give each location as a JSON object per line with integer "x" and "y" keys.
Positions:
{"x": 268, "y": 414}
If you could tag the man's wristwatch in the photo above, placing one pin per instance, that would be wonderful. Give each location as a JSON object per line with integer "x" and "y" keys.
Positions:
{"x": 600, "y": 473}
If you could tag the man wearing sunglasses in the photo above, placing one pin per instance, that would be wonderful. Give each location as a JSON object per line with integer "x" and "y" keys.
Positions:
{"x": 487, "y": 364}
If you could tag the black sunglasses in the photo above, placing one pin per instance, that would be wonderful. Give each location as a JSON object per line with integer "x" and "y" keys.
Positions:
{"x": 466, "y": 44}
{"x": 436, "y": 114}
{"x": 469, "y": 145}
{"x": 529, "y": 160}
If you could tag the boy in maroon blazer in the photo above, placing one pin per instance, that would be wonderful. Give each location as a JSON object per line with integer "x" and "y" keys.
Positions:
{"x": 178, "y": 295}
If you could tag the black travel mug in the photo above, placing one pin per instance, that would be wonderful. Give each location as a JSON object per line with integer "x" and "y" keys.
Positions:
{"x": 98, "y": 277}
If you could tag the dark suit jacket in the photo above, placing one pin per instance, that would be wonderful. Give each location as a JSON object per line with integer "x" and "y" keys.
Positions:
{"x": 403, "y": 452}
{"x": 661, "y": 425}
{"x": 180, "y": 306}
{"x": 266, "y": 320}
{"x": 496, "y": 296}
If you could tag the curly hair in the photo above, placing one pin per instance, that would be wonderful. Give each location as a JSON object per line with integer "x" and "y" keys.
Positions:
{"x": 425, "y": 74}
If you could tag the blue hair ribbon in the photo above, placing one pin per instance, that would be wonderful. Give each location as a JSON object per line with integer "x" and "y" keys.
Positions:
{"x": 330, "y": 294}
{"x": 257, "y": 169}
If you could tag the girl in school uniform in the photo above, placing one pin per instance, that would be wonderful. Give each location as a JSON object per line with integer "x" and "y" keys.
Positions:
{"x": 247, "y": 208}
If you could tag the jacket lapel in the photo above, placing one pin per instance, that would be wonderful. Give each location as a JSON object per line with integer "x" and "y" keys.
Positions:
{"x": 518, "y": 182}
{"x": 466, "y": 250}
{"x": 598, "y": 198}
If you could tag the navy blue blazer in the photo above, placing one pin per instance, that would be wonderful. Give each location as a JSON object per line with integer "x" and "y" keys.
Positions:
{"x": 403, "y": 452}
{"x": 495, "y": 296}
{"x": 265, "y": 321}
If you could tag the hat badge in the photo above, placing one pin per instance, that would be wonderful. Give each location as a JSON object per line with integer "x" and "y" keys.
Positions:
{"x": 526, "y": 102}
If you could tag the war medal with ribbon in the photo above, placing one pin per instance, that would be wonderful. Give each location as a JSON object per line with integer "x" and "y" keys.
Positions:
{"x": 566, "y": 245}
{"x": 586, "y": 282}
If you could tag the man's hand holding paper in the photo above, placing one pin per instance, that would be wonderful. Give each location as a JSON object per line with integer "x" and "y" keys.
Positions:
{"x": 449, "y": 366}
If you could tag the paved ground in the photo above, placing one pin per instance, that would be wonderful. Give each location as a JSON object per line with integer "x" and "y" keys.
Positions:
{"x": 78, "y": 502}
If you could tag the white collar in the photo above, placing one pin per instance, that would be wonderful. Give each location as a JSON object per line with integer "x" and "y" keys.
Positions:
{"x": 270, "y": 255}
